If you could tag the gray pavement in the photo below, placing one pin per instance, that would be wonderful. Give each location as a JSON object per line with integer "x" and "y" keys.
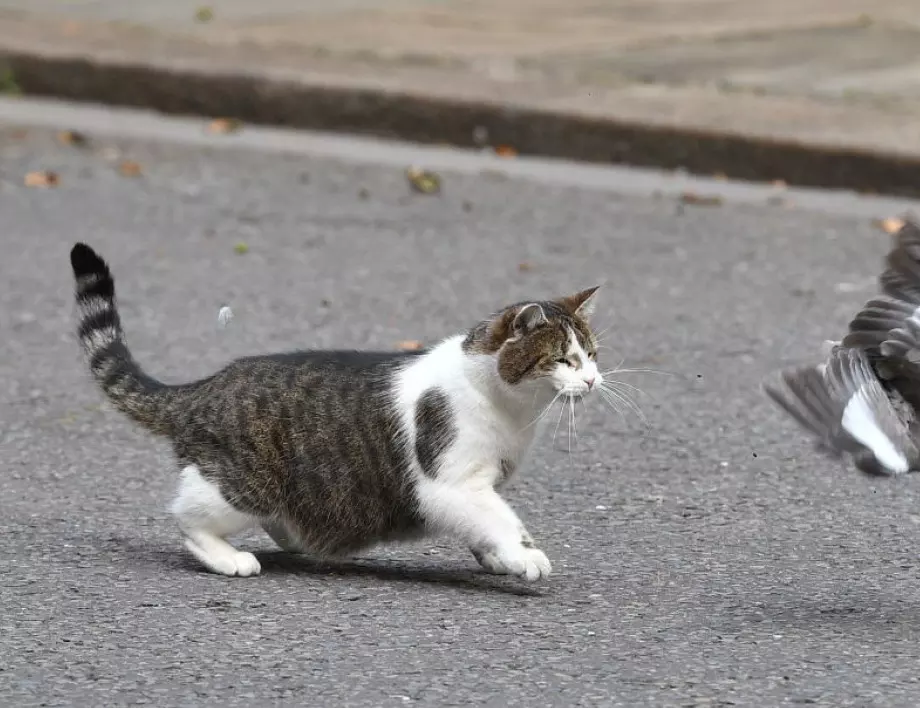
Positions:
{"x": 708, "y": 558}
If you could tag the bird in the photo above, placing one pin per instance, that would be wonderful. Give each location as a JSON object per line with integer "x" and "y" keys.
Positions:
{"x": 863, "y": 401}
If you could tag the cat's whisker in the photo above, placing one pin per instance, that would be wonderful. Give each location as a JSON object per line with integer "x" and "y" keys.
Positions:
{"x": 627, "y": 401}
{"x": 621, "y": 385}
{"x": 599, "y": 336}
{"x": 573, "y": 430}
{"x": 616, "y": 367}
{"x": 569, "y": 423}
{"x": 558, "y": 421}
{"x": 542, "y": 414}
{"x": 621, "y": 393}
{"x": 612, "y": 403}
{"x": 618, "y": 370}
{"x": 574, "y": 426}
{"x": 619, "y": 406}
{"x": 614, "y": 382}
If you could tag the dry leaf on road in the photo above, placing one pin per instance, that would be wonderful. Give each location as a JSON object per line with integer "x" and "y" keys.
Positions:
{"x": 72, "y": 137}
{"x": 410, "y": 345}
{"x": 701, "y": 199}
{"x": 423, "y": 181}
{"x": 505, "y": 151}
{"x": 42, "y": 178}
{"x": 525, "y": 267}
{"x": 890, "y": 225}
{"x": 129, "y": 168}
{"x": 224, "y": 125}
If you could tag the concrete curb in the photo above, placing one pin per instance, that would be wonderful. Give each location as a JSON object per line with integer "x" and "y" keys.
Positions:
{"x": 192, "y": 89}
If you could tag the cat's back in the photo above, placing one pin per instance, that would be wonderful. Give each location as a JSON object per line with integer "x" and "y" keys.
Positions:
{"x": 344, "y": 369}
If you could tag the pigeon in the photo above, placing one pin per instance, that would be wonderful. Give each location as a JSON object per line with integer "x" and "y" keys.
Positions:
{"x": 863, "y": 400}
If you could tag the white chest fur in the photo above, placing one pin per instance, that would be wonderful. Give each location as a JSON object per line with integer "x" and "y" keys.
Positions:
{"x": 489, "y": 423}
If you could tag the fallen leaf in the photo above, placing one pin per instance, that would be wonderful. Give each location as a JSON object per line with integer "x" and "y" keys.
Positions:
{"x": 129, "y": 168}
{"x": 700, "y": 199}
{"x": 890, "y": 225}
{"x": 525, "y": 267}
{"x": 505, "y": 151}
{"x": 410, "y": 345}
{"x": 42, "y": 178}
{"x": 423, "y": 181}
{"x": 72, "y": 137}
{"x": 204, "y": 14}
{"x": 779, "y": 184}
{"x": 241, "y": 248}
{"x": 224, "y": 125}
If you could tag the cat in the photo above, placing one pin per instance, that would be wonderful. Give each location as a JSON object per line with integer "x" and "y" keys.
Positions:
{"x": 332, "y": 452}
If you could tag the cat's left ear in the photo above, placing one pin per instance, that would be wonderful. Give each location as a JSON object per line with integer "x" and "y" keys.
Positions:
{"x": 582, "y": 304}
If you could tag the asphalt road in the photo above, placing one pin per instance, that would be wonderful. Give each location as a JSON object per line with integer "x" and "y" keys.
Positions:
{"x": 706, "y": 558}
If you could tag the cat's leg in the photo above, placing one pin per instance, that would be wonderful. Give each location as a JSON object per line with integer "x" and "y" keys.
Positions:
{"x": 280, "y": 535}
{"x": 206, "y": 519}
{"x": 492, "y": 562}
{"x": 484, "y": 520}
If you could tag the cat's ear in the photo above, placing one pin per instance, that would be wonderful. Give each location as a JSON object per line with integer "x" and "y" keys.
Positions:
{"x": 528, "y": 319}
{"x": 582, "y": 304}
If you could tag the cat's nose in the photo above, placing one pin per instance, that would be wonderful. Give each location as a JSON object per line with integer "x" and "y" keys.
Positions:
{"x": 590, "y": 383}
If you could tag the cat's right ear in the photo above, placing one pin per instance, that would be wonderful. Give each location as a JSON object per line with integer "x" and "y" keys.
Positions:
{"x": 528, "y": 319}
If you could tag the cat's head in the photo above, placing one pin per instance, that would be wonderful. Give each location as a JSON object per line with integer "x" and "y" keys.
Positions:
{"x": 547, "y": 344}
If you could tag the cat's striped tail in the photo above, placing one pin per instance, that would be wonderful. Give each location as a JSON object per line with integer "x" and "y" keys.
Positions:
{"x": 102, "y": 339}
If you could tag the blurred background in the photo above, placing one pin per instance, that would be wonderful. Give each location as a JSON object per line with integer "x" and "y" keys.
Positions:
{"x": 816, "y": 92}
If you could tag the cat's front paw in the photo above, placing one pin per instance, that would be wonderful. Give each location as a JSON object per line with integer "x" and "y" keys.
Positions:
{"x": 530, "y": 564}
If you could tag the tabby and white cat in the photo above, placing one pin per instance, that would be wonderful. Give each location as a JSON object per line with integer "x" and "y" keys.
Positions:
{"x": 334, "y": 451}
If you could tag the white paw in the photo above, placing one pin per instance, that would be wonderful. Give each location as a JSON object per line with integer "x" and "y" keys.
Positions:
{"x": 537, "y": 565}
{"x": 226, "y": 562}
{"x": 247, "y": 564}
{"x": 531, "y": 564}
{"x": 491, "y": 563}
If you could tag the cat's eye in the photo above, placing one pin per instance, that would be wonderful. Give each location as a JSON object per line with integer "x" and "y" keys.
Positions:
{"x": 563, "y": 361}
